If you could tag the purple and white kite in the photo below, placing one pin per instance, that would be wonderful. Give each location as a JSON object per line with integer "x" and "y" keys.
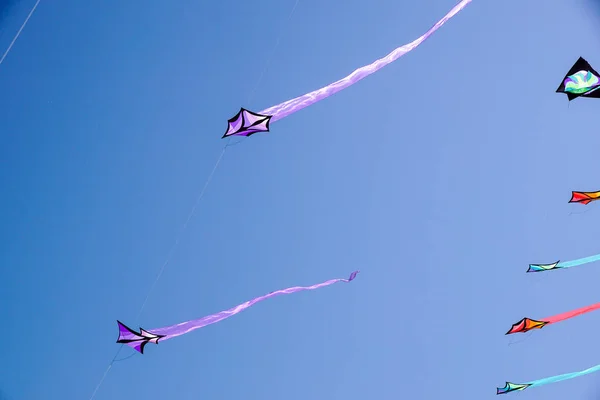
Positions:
{"x": 246, "y": 123}
{"x": 137, "y": 340}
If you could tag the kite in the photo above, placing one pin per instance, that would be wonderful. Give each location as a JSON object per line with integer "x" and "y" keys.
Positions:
{"x": 138, "y": 340}
{"x": 247, "y": 123}
{"x": 584, "y": 197}
{"x": 527, "y": 324}
{"x": 581, "y": 81}
{"x": 511, "y": 387}
{"x": 559, "y": 265}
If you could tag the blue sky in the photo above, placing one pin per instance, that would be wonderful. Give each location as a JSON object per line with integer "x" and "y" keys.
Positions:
{"x": 441, "y": 177}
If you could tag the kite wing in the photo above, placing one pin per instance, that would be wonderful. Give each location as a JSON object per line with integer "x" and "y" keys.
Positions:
{"x": 525, "y": 325}
{"x": 137, "y": 341}
{"x": 584, "y": 197}
{"x": 581, "y": 80}
{"x": 562, "y": 265}
{"x": 543, "y": 267}
{"x": 511, "y": 387}
{"x": 289, "y": 107}
{"x": 247, "y": 123}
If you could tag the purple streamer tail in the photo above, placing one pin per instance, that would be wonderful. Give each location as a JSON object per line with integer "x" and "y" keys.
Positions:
{"x": 137, "y": 340}
{"x": 286, "y": 108}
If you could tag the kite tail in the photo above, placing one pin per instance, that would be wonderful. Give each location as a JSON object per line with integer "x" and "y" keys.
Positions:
{"x": 571, "y": 314}
{"x": 581, "y": 261}
{"x": 286, "y": 108}
{"x": 564, "y": 377}
{"x": 186, "y": 327}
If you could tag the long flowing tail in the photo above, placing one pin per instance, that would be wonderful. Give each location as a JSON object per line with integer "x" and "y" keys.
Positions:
{"x": 137, "y": 340}
{"x": 573, "y": 313}
{"x": 286, "y": 108}
{"x": 511, "y": 387}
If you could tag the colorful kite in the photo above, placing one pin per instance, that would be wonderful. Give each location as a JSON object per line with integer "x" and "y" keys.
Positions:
{"x": 511, "y": 387}
{"x": 561, "y": 265}
{"x": 137, "y": 340}
{"x": 584, "y": 197}
{"x": 581, "y": 81}
{"x": 527, "y": 324}
{"x": 246, "y": 123}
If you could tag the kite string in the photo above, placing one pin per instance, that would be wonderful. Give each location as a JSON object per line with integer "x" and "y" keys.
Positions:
{"x": 269, "y": 58}
{"x": 187, "y": 221}
{"x": 209, "y": 179}
{"x": 514, "y": 341}
{"x": 580, "y": 212}
{"x": 163, "y": 267}
{"x": 191, "y": 214}
{"x": 19, "y": 31}
{"x": 268, "y": 62}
